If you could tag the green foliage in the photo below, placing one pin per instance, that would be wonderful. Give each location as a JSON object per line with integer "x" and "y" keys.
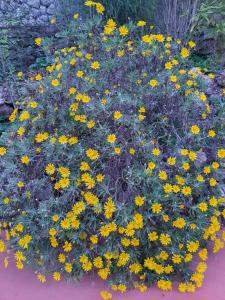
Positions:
{"x": 114, "y": 159}
{"x": 209, "y": 23}
{"x": 124, "y": 10}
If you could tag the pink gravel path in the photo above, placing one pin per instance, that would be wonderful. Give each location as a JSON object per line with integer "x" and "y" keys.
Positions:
{"x": 23, "y": 285}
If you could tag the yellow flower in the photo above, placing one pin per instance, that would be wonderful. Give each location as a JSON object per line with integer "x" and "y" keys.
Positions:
{"x": 211, "y": 133}
{"x": 25, "y": 160}
{"x": 151, "y": 166}
{"x": 165, "y": 239}
{"x": 195, "y": 129}
{"x": 200, "y": 178}
{"x": 41, "y": 277}
{"x": 52, "y": 231}
{"x": 2, "y": 151}
{"x": 91, "y": 199}
{"x": 38, "y": 77}
{"x": 68, "y": 267}
{"x": 192, "y": 246}
{"x": 109, "y": 27}
{"x": 203, "y": 254}
{"x": 120, "y": 53}
{"x": 123, "y": 30}
{"x": 19, "y": 265}
{"x": 182, "y": 287}
{"x": 186, "y": 190}
{"x": 53, "y": 21}
{"x": 184, "y": 52}
{"x": 67, "y": 247}
{"x": 72, "y": 90}
{"x": 65, "y": 223}
{"x": 156, "y": 151}
{"x": 171, "y": 161}
{"x": 164, "y": 285}
{"x": 191, "y": 44}
{"x": 221, "y": 153}
{"x": 55, "y": 82}
{"x": 117, "y": 115}
{"x": 105, "y": 295}
{"x": 2, "y": 246}
{"x": 141, "y": 23}
{"x": 168, "y": 65}
{"x": 123, "y": 259}
{"x": 55, "y": 218}
{"x": 24, "y": 116}
{"x": 100, "y": 177}
{"x": 6, "y": 262}
{"x": 84, "y": 166}
{"x": 98, "y": 262}
{"x": 212, "y": 182}
{"x": 176, "y": 258}
{"x": 99, "y": 8}
{"x": 20, "y": 184}
{"x": 215, "y": 165}
{"x": 92, "y": 154}
{"x": 184, "y": 152}
{"x": 179, "y": 223}
{"x": 186, "y": 166}
{"x": 56, "y": 276}
{"x": 173, "y": 78}
{"x": 156, "y": 208}
{"x": 109, "y": 208}
{"x": 139, "y": 201}
{"x": 19, "y": 74}
{"x": 117, "y": 150}
{"x": 95, "y": 65}
{"x": 24, "y": 242}
{"x": 153, "y": 236}
{"x": 61, "y": 258}
{"x": 153, "y": 83}
{"x": 64, "y": 172}
{"x": 132, "y": 151}
{"x": 135, "y": 268}
{"x": 203, "y": 206}
{"x": 21, "y": 131}
{"x": 111, "y": 138}
{"x": 90, "y": 124}
{"x": 80, "y": 74}
{"x": 94, "y": 239}
{"x": 38, "y": 41}
{"x": 40, "y": 137}
{"x": 168, "y": 188}
{"x": 192, "y": 155}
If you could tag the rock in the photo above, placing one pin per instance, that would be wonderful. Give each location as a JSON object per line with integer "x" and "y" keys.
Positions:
{"x": 35, "y": 12}
{"x": 206, "y": 46}
{"x": 201, "y": 158}
{"x": 42, "y": 20}
{"x": 220, "y": 79}
{"x": 46, "y": 2}
{"x": 34, "y": 3}
{"x": 3, "y": 94}
{"x": 5, "y": 111}
{"x": 51, "y": 9}
{"x": 25, "y": 8}
{"x": 43, "y": 9}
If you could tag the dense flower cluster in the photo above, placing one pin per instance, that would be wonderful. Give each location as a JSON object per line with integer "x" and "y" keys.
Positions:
{"x": 113, "y": 162}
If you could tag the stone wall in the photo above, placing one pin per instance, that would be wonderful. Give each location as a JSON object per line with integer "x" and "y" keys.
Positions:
{"x": 29, "y": 12}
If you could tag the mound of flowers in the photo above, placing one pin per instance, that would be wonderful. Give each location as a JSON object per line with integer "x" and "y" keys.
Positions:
{"x": 113, "y": 162}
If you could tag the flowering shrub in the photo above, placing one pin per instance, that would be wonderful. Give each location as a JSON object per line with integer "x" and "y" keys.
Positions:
{"x": 113, "y": 162}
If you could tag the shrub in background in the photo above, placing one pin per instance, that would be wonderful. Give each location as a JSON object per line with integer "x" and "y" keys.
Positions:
{"x": 113, "y": 163}
{"x": 209, "y": 26}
